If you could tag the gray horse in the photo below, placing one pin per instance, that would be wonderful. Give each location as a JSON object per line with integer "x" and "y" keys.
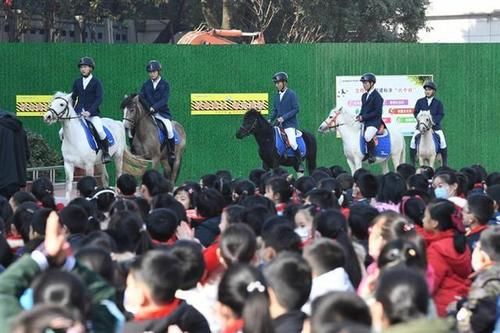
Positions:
{"x": 146, "y": 143}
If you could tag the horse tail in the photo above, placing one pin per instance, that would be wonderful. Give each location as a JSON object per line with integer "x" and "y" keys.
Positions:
{"x": 312, "y": 150}
{"x": 133, "y": 164}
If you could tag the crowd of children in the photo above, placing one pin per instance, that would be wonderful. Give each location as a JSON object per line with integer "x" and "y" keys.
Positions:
{"x": 416, "y": 250}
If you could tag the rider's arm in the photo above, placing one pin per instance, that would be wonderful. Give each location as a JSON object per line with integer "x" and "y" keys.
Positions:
{"x": 98, "y": 100}
{"x": 438, "y": 116}
{"x": 294, "y": 109}
{"x": 375, "y": 109}
{"x": 164, "y": 90}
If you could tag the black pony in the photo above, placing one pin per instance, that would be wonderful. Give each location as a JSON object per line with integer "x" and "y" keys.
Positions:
{"x": 254, "y": 123}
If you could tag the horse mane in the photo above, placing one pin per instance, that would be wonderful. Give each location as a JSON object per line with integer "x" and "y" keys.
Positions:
{"x": 254, "y": 112}
{"x": 127, "y": 100}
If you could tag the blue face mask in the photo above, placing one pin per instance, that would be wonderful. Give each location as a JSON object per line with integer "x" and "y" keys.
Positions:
{"x": 441, "y": 193}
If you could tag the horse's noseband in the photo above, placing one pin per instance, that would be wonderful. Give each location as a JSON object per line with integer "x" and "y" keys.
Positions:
{"x": 246, "y": 131}
{"x": 332, "y": 123}
{"x": 60, "y": 115}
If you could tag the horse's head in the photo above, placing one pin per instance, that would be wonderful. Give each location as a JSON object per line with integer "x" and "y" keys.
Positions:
{"x": 60, "y": 108}
{"x": 251, "y": 121}
{"x": 134, "y": 107}
{"x": 332, "y": 121}
{"x": 424, "y": 121}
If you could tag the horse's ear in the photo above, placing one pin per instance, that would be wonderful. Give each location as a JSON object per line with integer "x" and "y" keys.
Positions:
{"x": 340, "y": 108}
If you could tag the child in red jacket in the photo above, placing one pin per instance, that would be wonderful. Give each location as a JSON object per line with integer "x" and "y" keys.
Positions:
{"x": 447, "y": 253}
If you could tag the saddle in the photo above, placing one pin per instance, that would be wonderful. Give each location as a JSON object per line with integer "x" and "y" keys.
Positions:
{"x": 163, "y": 134}
{"x": 283, "y": 145}
{"x": 93, "y": 138}
{"x": 284, "y": 136}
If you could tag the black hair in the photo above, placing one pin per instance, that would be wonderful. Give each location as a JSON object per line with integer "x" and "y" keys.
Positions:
{"x": 339, "y": 306}
{"x": 413, "y": 207}
{"x": 367, "y": 184}
{"x": 162, "y": 224}
{"x": 144, "y": 206}
{"x": 332, "y": 224}
{"x": 122, "y": 204}
{"x": 237, "y": 244}
{"x": 482, "y": 207}
{"x": 332, "y": 185}
{"x": 99, "y": 239}
{"x": 255, "y": 176}
{"x": 90, "y": 209}
{"x": 275, "y": 220}
{"x": 6, "y": 255}
{"x": 324, "y": 255}
{"x": 358, "y": 173}
{"x": 345, "y": 180}
{"x": 322, "y": 198}
{"x": 282, "y": 237}
{"x": 471, "y": 178}
{"x": 259, "y": 200}
{"x": 224, "y": 187}
{"x": 254, "y": 217}
{"x": 243, "y": 289}
{"x": 242, "y": 189}
{"x": 319, "y": 175}
{"x": 192, "y": 263}
{"x": 156, "y": 183}
{"x": 127, "y": 184}
{"x": 391, "y": 188}
{"x": 360, "y": 219}
{"x": 43, "y": 190}
{"x": 324, "y": 169}
{"x": 23, "y": 217}
{"x": 418, "y": 182}
{"x": 493, "y": 179}
{"x": 166, "y": 200}
{"x": 98, "y": 260}
{"x": 402, "y": 253}
{"x": 494, "y": 193}
{"x": 480, "y": 172}
{"x": 490, "y": 242}
{"x": 449, "y": 178}
{"x": 209, "y": 203}
{"x": 191, "y": 190}
{"x": 233, "y": 213}
{"x": 5, "y": 215}
{"x": 208, "y": 181}
{"x": 159, "y": 271}
{"x": 75, "y": 218}
{"x": 304, "y": 185}
{"x": 129, "y": 233}
{"x": 226, "y": 174}
{"x": 290, "y": 277}
{"x": 448, "y": 216}
{"x": 342, "y": 327}
{"x": 280, "y": 186}
{"x": 103, "y": 198}
{"x": 403, "y": 294}
{"x": 405, "y": 170}
{"x": 395, "y": 226}
{"x": 44, "y": 318}
{"x": 337, "y": 170}
{"x": 21, "y": 196}
{"x": 62, "y": 288}
{"x": 427, "y": 171}
{"x": 86, "y": 185}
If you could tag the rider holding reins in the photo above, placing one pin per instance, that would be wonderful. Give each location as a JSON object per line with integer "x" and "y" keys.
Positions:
{"x": 156, "y": 91}
{"x": 371, "y": 114}
{"x": 87, "y": 93}
{"x": 434, "y": 105}
{"x": 285, "y": 110}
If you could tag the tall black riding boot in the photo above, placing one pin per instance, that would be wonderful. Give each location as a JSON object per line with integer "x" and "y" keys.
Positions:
{"x": 171, "y": 150}
{"x": 413, "y": 155}
{"x": 105, "y": 158}
{"x": 444, "y": 156}
{"x": 371, "y": 151}
{"x": 298, "y": 157}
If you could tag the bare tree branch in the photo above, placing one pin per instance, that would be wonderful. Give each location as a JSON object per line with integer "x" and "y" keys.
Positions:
{"x": 264, "y": 12}
{"x": 209, "y": 14}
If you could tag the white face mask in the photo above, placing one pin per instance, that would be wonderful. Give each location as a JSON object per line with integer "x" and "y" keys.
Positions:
{"x": 128, "y": 302}
{"x": 303, "y": 233}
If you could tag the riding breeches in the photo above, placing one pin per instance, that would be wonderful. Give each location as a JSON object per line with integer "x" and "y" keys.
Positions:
{"x": 292, "y": 139}
{"x": 97, "y": 122}
{"x": 438, "y": 132}
{"x": 370, "y": 133}
{"x": 168, "y": 125}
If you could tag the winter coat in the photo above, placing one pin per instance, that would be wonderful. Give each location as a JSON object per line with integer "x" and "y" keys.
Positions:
{"x": 451, "y": 269}
{"x": 288, "y": 108}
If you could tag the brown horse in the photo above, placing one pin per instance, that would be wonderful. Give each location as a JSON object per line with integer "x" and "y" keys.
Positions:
{"x": 146, "y": 141}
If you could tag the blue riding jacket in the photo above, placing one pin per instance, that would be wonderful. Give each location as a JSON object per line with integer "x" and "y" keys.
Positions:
{"x": 88, "y": 99}
{"x": 371, "y": 109}
{"x": 288, "y": 108}
{"x": 157, "y": 98}
{"x": 436, "y": 108}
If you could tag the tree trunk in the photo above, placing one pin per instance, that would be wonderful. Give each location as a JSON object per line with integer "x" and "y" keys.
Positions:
{"x": 209, "y": 14}
{"x": 226, "y": 14}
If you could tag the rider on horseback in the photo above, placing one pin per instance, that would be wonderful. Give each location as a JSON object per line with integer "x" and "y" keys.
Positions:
{"x": 87, "y": 92}
{"x": 285, "y": 110}
{"x": 371, "y": 114}
{"x": 430, "y": 102}
{"x": 156, "y": 92}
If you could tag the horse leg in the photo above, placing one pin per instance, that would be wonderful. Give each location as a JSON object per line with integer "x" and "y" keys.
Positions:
{"x": 104, "y": 174}
{"x": 118, "y": 164}
{"x": 385, "y": 166}
{"x": 352, "y": 166}
{"x": 432, "y": 159}
{"x": 69, "y": 170}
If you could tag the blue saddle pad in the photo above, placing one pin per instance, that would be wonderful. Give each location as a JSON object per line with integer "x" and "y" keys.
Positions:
{"x": 435, "y": 138}
{"x": 282, "y": 148}
{"x": 90, "y": 137}
{"x": 162, "y": 134}
{"x": 383, "y": 148}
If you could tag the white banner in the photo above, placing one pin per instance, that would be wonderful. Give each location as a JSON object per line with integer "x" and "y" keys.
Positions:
{"x": 400, "y": 93}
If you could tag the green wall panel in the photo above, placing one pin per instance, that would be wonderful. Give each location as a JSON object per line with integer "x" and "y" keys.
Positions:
{"x": 466, "y": 75}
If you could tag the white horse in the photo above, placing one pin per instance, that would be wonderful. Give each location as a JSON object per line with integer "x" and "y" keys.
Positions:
{"x": 350, "y": 130}
{"x": 426, "y": 150}
{"x": 75, "y": 149}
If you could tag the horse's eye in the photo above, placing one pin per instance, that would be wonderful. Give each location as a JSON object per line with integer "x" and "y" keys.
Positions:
{"x": 61, "y": 104}
{"x": 330, "y": 117}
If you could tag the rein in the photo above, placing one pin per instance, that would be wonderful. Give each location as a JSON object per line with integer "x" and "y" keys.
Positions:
{"x": 334, "y": 122}
{"x": 245, "y": 131}
{"x": 60, "y": 116}
{"x": 132, "y": 121}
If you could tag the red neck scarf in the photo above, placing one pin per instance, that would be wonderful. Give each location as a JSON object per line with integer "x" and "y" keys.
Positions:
{"x": 161, "y": 312}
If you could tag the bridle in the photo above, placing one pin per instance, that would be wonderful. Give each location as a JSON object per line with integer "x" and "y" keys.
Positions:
{"x": 134, "y": 120}
{"x": 65, "y": 111}
{"x": 425, "y": 125}
{"x": 332, "y": 123}
{"x": 246, "y": 131}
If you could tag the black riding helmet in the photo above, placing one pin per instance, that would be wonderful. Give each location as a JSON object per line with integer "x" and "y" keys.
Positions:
{"x": 86, "y": 61}
{"x": 280, "y": 76}
{"x": 370, "y": 77}
{"x": 430, "y": 85}
{"x": 153, "y": 65}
